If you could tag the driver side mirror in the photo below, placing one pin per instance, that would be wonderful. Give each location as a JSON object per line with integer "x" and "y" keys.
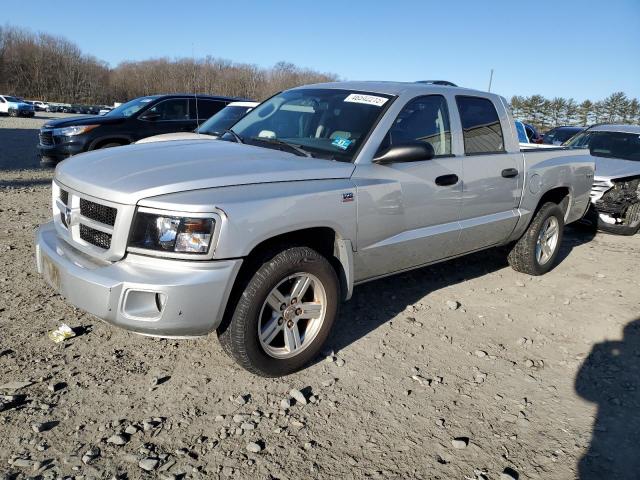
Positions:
{"x": 150, "y": 116}
{"x": 405, "y": 152}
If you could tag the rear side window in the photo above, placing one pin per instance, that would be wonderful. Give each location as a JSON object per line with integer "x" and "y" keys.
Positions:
{"x": 481, "y": 128}
{"x": 207, "y": 108}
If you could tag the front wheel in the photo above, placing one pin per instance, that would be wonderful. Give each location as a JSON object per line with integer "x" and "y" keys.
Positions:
{"x": 13, "y": 113}
{"x": 536, "y": 251}
{"x": 285, "y": 313}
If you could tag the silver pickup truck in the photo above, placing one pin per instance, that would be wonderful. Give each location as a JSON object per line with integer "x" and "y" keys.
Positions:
{"x": 261, "y": 234}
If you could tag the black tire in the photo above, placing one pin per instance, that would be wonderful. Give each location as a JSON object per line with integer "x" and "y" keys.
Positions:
{"x": 631, "y": 216}
{"x": 13, "y": 112}
{"x": 238, "y": 334}
{"x": 523, "y": 257}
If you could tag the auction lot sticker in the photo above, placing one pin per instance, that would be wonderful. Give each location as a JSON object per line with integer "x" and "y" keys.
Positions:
{"x": 366, "y": 99}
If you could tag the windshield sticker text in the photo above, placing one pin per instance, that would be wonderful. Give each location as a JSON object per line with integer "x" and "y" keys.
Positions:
{"x": 366, "y": 99}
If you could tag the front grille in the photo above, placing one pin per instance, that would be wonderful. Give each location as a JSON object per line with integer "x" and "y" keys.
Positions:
{"x": 64, "y": 197}
{"x": 97, "y": 212}
{"x": 46, "y": 137}
{"x": 95, "y": 237}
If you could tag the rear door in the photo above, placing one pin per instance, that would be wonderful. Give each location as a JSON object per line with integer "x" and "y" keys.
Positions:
{"x": 492, "y": 175}
{"x": 207, "y": 108}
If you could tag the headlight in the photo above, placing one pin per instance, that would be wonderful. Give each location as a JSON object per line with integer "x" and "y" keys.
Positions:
{"x": 72, "y": 131}
{"x": 172, "y": 234}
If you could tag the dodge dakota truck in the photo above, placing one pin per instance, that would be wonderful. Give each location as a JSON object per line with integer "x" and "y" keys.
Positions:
{"x": 260, "y": 235}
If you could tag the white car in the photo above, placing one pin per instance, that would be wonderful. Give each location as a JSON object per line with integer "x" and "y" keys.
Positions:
{"x": 40, "y": 106}
{"x": 212, "y": 128}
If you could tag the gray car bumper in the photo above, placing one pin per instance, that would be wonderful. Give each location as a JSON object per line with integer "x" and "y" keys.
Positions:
{"x": 147, "y": 295}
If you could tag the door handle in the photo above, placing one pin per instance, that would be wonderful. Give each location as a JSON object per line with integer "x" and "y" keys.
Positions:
{"x": 510, "y": 172}
{"x": 445, "y": 180}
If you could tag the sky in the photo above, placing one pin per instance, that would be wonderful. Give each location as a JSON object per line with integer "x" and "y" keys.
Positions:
{"x": 567, "y": 48}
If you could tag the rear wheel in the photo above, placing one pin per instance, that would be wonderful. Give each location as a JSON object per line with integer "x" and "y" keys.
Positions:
{"x": 13, "y": 112}
{"x": 536, "y": 251}
{"x": 284, "y": 314}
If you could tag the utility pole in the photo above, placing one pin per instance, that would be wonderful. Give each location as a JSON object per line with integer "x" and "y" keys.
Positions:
{"x": 490, "y": 79}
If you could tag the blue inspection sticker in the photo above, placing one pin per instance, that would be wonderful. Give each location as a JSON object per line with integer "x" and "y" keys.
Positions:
{"x": 341, "y": 143}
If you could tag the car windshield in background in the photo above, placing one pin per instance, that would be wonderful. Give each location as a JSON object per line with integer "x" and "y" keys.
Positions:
{"x": 222, "y": 120}
{"x": 561, "y": 135}
{"x": 609, "y": 144}
{"x": 323, "y": 123}
{"x": 12, "y": 99}
{"x": 129, "y": 108}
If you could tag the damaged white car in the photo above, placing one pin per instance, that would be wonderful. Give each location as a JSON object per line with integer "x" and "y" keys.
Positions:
{"x": 615, "y": 196}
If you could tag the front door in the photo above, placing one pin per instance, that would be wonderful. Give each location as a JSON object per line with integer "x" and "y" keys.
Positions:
{"x": 408, "y": 212}
{"x": 168, "y": 116}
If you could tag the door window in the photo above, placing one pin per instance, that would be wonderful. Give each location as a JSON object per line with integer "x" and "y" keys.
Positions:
{"x": 481, "y": 128}
{"x": 424, "y": 119}
{"x": 168, "y": 110}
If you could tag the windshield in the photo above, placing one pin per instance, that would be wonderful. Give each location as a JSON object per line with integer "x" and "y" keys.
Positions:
{"x": 608, "y": 144}
{"x": 129, "y": 108}
{"x": 222, "y": 120}
{"x": 12, "y": 99}
{"x": 324, "y": 123}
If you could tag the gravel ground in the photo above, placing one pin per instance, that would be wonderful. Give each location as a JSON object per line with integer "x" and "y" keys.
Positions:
{"x": 465, "y": 370}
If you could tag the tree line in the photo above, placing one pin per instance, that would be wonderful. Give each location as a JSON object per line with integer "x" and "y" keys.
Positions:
{"x": 548, "y": 113}
{"x": 45, "y": 67}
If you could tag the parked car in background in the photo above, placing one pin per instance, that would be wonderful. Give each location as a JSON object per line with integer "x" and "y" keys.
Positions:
{"x": 264, "y": 232}
{"x": 532, "y": 133}
{"x": 616, "y": 188}
{"x": 128, "y": 123}
{"x": 14, "y": 107}
{"x": 523, "y": 138}
{"x": 104, "y": 109}
{"x": 559, "y": 135}
{"x": 213, "y": 128}
{"x": 39, "y": 106}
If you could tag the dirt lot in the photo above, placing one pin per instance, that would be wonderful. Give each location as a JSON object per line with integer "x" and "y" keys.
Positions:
{"x": 539, "y": 376}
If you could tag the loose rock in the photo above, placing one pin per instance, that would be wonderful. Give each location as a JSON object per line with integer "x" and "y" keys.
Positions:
{"x": 254, "y": 447}
{"x": 460, "y": 442}
{"x": 298, "y": 396}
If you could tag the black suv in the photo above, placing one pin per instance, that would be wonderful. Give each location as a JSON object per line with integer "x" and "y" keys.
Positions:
{"x": 131, "y": 121}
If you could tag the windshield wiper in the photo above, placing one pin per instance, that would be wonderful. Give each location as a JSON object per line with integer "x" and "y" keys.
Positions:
{"x": 235, "y": 136}
{"x": 295, "y": 148}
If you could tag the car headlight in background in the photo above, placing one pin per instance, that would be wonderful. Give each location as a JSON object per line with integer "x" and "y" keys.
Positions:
{"x": 172, "y": 234}
{"x": 72, "y": 131}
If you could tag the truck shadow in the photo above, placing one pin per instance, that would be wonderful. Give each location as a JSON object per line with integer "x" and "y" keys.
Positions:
{"x": 377, "y": 302}
{"x": 610, "y": 378}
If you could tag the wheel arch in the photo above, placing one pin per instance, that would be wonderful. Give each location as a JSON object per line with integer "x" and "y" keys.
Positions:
{"x": 98, "y": 142}
{"x": 325, "y": 240}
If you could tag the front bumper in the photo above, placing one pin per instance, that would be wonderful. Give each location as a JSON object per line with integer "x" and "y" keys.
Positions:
{"x": 58, "y": 152}
{"x": 150, "y": 296}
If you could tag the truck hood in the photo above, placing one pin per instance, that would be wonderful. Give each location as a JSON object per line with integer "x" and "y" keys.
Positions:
{"x": 133, "y": 172}
{"x": 612, "y": 168}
